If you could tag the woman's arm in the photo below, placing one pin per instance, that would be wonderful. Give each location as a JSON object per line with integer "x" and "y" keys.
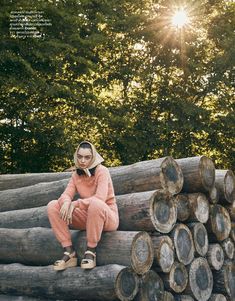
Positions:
{"x": 69, "y": 192}
{"x": 101, "y": 190}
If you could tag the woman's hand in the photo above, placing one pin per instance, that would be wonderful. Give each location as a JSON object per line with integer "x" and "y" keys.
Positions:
{"x": 66, "y": 212}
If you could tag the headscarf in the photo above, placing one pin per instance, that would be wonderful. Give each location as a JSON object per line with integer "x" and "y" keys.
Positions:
{"x": 96, "y": 159}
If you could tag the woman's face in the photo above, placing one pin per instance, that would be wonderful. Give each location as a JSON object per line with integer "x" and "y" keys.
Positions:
{"x": 84, "y": 156}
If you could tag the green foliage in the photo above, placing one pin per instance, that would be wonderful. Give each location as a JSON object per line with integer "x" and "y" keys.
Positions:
{"x": 119, "y": 74}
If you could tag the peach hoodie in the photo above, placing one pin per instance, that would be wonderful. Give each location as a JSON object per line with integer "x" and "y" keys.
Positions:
{"x": 99, "y": 186}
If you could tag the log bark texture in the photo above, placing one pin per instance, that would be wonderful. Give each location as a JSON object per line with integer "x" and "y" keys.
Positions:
{"x": 225, "y": 184}
{"x": 200, "y": 282}
{"x": 71, "y": 284}
{"x": 215, "y": 256}
{"x": 219, "y": 223}
{"x": 151, "y": 287}
{"x": 198, "y": 172}
{"x": 183, "y": 243}
{"x": 149, "y": 211}
{"x": 164, "y": 253}
{"x": 131, "y": 248}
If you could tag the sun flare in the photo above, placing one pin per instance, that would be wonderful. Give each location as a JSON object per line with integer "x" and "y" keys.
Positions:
{"x": 180, "y": 18}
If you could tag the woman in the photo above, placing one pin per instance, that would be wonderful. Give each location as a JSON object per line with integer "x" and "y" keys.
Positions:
{"x": 95, "y": 211}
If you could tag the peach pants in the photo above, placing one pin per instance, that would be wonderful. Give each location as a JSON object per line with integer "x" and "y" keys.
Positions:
{"x": 97, "y": 218}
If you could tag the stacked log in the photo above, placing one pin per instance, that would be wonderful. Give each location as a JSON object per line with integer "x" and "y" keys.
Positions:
{"x": 175, "y": 240}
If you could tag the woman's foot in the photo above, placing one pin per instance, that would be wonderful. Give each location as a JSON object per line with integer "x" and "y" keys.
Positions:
{"x": 89, "y": 260}
{"x": 69, "y": 260}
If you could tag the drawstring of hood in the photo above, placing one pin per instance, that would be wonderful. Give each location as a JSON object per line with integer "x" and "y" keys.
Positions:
{"x": 96, "y": 159}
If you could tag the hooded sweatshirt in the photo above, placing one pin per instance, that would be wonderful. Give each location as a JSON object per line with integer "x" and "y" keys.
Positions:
{"x": 89, "y": 188}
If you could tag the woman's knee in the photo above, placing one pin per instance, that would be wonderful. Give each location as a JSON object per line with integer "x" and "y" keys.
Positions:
{"x": 52, "y": 206}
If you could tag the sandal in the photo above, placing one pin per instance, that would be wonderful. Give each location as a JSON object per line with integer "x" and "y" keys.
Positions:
{"x": 60, "y": 265}
{"x": 88, "y": 263}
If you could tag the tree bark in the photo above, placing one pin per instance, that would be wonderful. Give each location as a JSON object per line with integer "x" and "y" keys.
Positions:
{"x": 183, "y": 243}
{"x": 200, "y": 238}
{"x": 228, "y": 247}
{"x": 198, "y": 172}
{"x": 71, "y": 284}
{"x": 149, "y": 175}
{"x": 175, "y": 281}
{"x": 164, "y": 254}
{"x": 224, "y": 280}
{"x": 219, "y": 223}
{"x": 26, "y": 246}
{"x": 12, "y": 181}
{"x": 200, "y": 282}
{"x": 151, "y": 287}
{"x": 215, "y": 256}
{"x": 225, "y": 184}
{"x": 149, "y": 211}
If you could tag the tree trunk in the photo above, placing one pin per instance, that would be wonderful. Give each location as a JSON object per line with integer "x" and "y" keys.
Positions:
{"x": 192, "y": 207}
{"x": 225, "y": 184}
{"x": 149, "y": 210}
{"x": 228, "y": 247}
{"x": 151, "y": 287}
{"x": 200, "y": 279}
{"x": 164, "y": 254}
{"x": 200, "y": 238}
{"x": 176, "y": 281}
{"x": 149, "y": 175}
{"x": 217, "y": 297}
{"x": 224, "y": 280}
{"x": 198, "y": 172}
{"x": 183, "y": 243}
{"x": 72, "y": 284}
{"x": 26, "y": 246}
{"x": 12, "y": 181}
{"x": 215, "y": 256}
{"x": 219, "y": 223}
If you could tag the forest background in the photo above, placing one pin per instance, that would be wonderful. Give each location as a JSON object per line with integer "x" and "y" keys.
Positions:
{"x": 121, "y": 75}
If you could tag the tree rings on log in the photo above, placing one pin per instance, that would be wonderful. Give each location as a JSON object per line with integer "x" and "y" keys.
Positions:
{"x": 228, "y": 247}
{"x": 176, "y": 281}
{"x": 199, "y": 207}
{"x": 151, "y": 287}
{"x": 127, "y": 284}
{"x": 225, "y": 184}
{"x": 164, "y": 253}
{"x": 217, "y": 297}
{"x": 215, "y": 256}
{"x": 200, "y": 238}
{"x": 219, "y": 223}
{"x": 198, "y": 172}
{"x": 163, "y": 211}
{"x": 224, "y": 280}
{"x": 200, "y": 279}
{"x": 183, "y": 243}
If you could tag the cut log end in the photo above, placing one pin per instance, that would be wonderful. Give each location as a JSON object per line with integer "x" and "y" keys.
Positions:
{"x": 200, "y": 238}
{"x": 215, "y": 256}
{"x": 228, "y": 247}
{"x": 200, "y": 279}
{"x": 163, "y": 212}
{"x": 142, "y": 253}
{"x": 171, "y": 176}
{"x": 168, "y": 297}
{"x": 127, "y": 284}
{"x": 224, "y": 280}
{"x": 207, "y": 170}
{"x": 182, "y": 206}
{"x": 217, "y": 297}
{"x": 219, "y": 222}
{"x": 183, "y": 243}
{"x": 178, "y": 277}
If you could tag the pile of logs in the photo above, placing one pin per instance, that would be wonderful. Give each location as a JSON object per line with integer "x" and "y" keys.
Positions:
{"x": 175, "y": 240}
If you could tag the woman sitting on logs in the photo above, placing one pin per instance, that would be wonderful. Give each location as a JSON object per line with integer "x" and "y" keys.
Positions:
{"x": 95, "y": 211}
